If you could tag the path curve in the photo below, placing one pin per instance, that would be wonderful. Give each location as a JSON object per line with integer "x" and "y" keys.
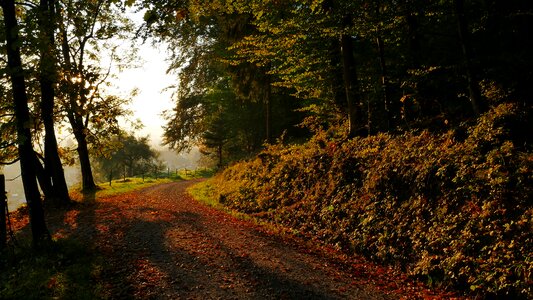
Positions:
{"x": 159, "y": 243}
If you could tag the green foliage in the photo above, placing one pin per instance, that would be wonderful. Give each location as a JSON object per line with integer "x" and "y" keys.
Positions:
{"x": 447, "y": 208}
{"x": 127, "y": 156}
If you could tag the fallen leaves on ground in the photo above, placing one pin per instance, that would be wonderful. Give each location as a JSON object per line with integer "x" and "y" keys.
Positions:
{"x": 160, "y": 243}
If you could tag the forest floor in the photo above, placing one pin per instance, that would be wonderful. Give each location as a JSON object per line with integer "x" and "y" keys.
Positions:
{"x": 159, "y": 243}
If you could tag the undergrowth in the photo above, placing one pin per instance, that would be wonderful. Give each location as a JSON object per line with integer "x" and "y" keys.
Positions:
{"x": 451, "y": 208}
{"x": 67, "y": 270}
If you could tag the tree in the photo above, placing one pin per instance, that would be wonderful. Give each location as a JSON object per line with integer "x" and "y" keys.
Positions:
{"x": 378, "y": 65}
{"x": 84, "y": 26}
{"x": 129, "y": 155}
{"x": 201, "y": 37}
{"x": 57, "y": 192}
{"x": 28, "y": 160}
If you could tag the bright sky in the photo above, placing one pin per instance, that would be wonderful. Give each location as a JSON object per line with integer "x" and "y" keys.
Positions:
{"x": 150, "y": 79}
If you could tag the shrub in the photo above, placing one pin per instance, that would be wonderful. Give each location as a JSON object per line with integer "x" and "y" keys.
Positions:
{"x": 445, "y": 208}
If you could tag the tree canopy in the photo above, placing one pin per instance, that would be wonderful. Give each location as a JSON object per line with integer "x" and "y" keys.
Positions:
{"x": 368, "y": 66}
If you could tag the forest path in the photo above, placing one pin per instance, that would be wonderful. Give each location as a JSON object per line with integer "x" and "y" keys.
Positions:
{"x": 159, "y": 243}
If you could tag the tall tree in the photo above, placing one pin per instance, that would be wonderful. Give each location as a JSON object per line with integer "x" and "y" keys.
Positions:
{"x": 85, "y": 104}
{"x": 53, "y": 169}
{"x": 28, "y": 160}
{"x": 478, "y": 104}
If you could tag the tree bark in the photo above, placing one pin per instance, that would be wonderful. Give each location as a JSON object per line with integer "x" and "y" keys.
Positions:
{"x": 415, "y": 48}
{"x": 44, "y": 180}
{"x": 478, "y": 104}
{"x": 389, "y": 117}
{"x": 53, "y": 167}
{"x": 87, "y": 180}
{"x": 28, "y": 159}
{"x": 351, "y": 87}
{"x": 268, "y": 112}
{"x": 219, "y": 154}
{"x": 3, "y": 205}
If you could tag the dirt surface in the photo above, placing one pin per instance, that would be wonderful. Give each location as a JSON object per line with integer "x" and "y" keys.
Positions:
{"x": 159, "y": 243}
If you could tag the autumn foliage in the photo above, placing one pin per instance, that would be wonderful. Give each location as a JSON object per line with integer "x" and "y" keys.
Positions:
{"x": 453, "y": 207}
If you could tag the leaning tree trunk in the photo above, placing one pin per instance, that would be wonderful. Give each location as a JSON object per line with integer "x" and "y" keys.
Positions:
{"x": 53, "y": 167}
{"x": 28, "y": 159}
{"x": 478, "y": 104}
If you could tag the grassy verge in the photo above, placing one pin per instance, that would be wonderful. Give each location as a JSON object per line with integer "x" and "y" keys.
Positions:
{"x": 206, "y": 193}
{"x": 122, "y": 186}
{"x": 131, "y": 184}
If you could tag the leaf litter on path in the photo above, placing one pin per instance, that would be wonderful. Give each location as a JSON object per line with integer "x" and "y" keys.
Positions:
{"x": 159, "y": 243}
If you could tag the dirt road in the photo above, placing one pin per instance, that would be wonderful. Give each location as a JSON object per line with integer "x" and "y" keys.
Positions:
{"x": 161, "y": 244}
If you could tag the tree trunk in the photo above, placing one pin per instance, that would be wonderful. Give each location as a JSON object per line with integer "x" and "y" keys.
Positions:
{"x": 353, "y": 100}
{"x": 268, "y": 111}
{"x": 53, "y": 167}
{"x": 415, "y": 48}
{"x": 87, "y": 180}
{"x": 28, "y": 159}
{"x": 44, "y": 180}
{"x": 335, "y": 62}
{"x": 3, "y": 211}
{"x": 219, "y": 153}
{"x": 478, "y": 104}
{"x": 389, "y": 119}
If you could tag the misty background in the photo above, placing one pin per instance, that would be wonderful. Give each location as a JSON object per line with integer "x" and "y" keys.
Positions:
{"x": 15, "y": 191}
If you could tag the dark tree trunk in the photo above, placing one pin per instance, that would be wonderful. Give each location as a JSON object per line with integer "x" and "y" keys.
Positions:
{"x": 351, "y": 87}
{"x": 44, "y": 180}
{"x": 478, "y": 104}
{"x": 337, "y": 75}
{"x": 268, "y": 113}
{"x": 349, "y": 76}
{"x": 415, "y": 48}
{"x": 28, "y": 159}
{"x": 336, "y": 62}
{"x": 53, "y": 167}
{"x": 3, "y": 210}
{"x": 219, "y": 154}
{"x": 389, "y": 116}
{"x": 87, "y": 180}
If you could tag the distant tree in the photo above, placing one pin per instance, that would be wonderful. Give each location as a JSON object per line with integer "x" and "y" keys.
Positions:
{"x": 129, "y": 156}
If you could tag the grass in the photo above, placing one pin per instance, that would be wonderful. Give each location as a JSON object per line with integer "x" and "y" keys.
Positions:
{"x": 204, "y": 192}
{"x": 121, "y": 186}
